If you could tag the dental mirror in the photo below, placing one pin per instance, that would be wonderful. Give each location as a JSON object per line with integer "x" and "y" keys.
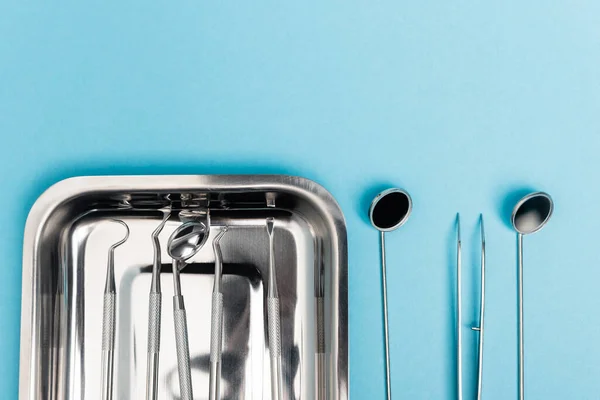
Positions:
{"x": 186, "y": 241}
{"x": 183, "y": 244}
{"x": 389, "y": 210}
{"x": 530, "y": 215}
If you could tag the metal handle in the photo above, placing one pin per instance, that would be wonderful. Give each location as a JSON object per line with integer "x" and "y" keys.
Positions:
{"x": 216, "y": 340}
{"x": 108, "y": 344}
{"x": 385, "y": 319}
{"x": 521, "y": 324}
{"x": 321, "y": 373}
{"x": 480, "y": 328}
{"x": 154, "y": 319}
{"x": 273, "y": 319}
{"x": 459, "y": 320}
{"x": 183, "y": 350}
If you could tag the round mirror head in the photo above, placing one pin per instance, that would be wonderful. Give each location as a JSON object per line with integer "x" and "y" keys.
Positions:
{"x": 532, "y": 212}
{"x": 390, "y": 209}
{"x": 187, "y": 240}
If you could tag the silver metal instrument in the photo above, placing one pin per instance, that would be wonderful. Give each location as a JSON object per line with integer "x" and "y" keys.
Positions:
{"x": 183, "y": 244}
{"x": 274, "y": 320}
{"x": 216, "y": 321}
{"x": 459, "y": 364}
{"x": 154, "y": 314}
{"x": 480, "y": 328}
{"x": 109, "y": 319}
{"x": 459, "y": 320}
{"x": 321, "y": 356}
{"x": 389, "y": 210}
{"x": 530, "y": 215}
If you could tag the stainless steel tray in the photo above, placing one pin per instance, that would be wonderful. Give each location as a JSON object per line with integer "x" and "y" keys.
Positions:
{"x": 64, "y": 266}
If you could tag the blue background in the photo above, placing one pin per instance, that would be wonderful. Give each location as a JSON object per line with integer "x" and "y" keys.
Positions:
{"x": 461, "y": 103}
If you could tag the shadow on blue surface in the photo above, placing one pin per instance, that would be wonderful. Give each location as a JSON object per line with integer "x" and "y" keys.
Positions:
{"x": 509, "y": 201}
